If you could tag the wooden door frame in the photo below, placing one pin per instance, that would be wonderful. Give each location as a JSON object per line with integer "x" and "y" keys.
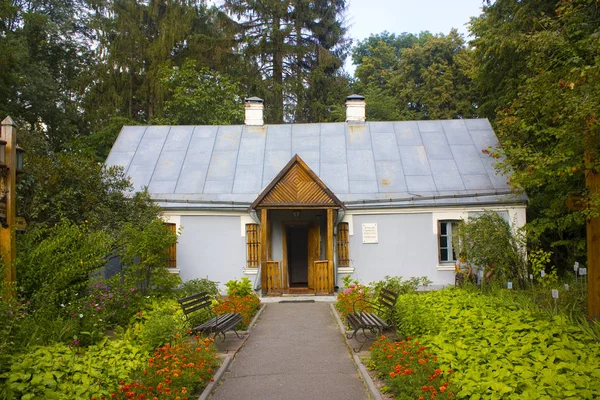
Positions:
{"x": 284, "y": 245}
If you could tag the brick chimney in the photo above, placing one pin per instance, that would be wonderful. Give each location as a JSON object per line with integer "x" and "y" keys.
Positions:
{"x": 254, "y": 111}
{"x": 355, "y": 108}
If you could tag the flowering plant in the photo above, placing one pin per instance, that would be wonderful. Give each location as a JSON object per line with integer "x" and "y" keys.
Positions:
{"x": 351, "y": 293}
{"x": 176, "y": 371}
{"x": 246, "y": 306}
{"x": 410, "y": 370}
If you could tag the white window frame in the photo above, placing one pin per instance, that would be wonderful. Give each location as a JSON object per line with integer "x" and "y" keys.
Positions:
{"x": 450, "y": 224}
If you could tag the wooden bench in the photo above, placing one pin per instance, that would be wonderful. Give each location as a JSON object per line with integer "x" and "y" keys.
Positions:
{"x": 375, "y": 317}
{"x": 217, "y": 324}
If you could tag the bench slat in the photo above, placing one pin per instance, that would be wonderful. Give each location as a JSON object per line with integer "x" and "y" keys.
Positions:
{"x": 218, "y": 324}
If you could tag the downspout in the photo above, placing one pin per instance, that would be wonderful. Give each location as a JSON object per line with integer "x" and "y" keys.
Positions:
{"x": 254, "y": 216}
{"x": 340, "y": 215}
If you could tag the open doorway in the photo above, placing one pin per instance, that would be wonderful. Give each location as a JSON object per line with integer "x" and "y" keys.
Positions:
{"x": 297, "y": 254}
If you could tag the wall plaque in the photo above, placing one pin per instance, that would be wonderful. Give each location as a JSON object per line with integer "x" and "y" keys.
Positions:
{"x": 369, "y": 233}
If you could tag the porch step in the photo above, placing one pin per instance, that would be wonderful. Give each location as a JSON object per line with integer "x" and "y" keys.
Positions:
{"x": 299, "y": 294}
{"x": 297, "y": 300}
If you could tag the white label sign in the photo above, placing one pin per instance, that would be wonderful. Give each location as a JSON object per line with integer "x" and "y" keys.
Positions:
{"x": 531, "y": 276}
{"x": 369, "y": 232}
{"x": 509, "y": 285}
{"x": 576, "y": 266}
{"x": 582, "y": 271}
{"x": 555, "y": 293}
{"x": 566, "y": 286}
{"x": 543, "y": 273}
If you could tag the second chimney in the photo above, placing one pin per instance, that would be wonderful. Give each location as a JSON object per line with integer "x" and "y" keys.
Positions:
{"x": 355, "y": 108}
{"x": 254, "y": 111}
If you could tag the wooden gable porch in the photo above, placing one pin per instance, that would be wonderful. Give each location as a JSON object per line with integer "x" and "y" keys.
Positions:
{"x": 304, "y": 208}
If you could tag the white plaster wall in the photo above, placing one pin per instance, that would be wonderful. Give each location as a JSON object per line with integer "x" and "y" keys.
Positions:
{"x": 407, "y": 247}
{"x": 210, "y": 246}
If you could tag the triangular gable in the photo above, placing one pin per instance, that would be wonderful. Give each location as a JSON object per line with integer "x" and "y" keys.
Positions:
{"x": 296, "y": 186}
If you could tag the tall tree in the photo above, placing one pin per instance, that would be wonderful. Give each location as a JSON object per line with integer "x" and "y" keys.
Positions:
{"x": 138, "y": 40}
{"x": 410, "y": 76}
{"x": 539, "y": 68}
{"x": 44, "y": 55}
{"x": 287, "y": 40}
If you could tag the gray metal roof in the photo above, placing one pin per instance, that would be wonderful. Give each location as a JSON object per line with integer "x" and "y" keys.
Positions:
{"x": 375, "y": 164}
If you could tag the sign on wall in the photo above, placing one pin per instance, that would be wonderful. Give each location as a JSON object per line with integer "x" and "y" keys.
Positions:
{"x": 369, "y": 233}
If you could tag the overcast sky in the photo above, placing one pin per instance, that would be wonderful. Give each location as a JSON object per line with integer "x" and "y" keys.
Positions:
{"x": 365, "y": 17}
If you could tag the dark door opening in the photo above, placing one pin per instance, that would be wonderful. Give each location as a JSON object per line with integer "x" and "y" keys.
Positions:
{"x": 297, "y": 252}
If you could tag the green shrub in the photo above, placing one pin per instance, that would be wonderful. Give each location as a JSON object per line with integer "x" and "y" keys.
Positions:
{"x": 194, "y": 286}
{"x": 489, "y": 242}
{"x": 396, "y": 284}
{"x": 62, "y": 372}
{"x": 159, "y": 325}
{"x": 241, "y": 288}
{"x": 498, "y": 349}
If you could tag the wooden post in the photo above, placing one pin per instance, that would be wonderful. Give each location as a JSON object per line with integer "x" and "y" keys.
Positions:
{"x": 263, "y": 250}
{"x": 592, "y": 181}
{"x": 329, "y": 249}
{"x": 8, "y": 248}
{"x": 593, "y": 249}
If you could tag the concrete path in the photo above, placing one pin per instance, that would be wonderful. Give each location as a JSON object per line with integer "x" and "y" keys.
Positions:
{"x": 295, "y": 351}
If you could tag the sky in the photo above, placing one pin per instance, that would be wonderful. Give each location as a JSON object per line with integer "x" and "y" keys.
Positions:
{"x": 366, "y": 17}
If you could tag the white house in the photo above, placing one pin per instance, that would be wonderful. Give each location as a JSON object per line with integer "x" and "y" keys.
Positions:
{"x": 310, "y": 203}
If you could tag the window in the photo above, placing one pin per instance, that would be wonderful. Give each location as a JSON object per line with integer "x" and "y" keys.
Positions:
{"x": 252, "y": 246}
{"x": 447, "y": 253}
{"x": 343, "y": 253}
{"x": 172, "y": 251}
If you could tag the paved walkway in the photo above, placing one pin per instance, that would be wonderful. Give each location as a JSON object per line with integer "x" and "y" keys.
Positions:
{"x": 295, "y": 351}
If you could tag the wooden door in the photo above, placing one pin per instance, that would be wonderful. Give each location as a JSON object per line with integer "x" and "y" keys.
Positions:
{"x": 314, "y": 252}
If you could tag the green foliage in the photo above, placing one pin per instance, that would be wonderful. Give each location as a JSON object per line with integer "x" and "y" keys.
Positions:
{"x": 61, "y": 372}
{"x": 489, "y": 242}
{"x": 537, "y": 70}
{"x": 497, "y": 348}
{"x": 397, "y": 285}
{"x": 143, "y": 253}
{"x": 160, "y": 324}
{"x": 199, "y": 96}
{"x": 539, "y": 260}
{"x": 241, "y": 288}
{"x": 418, "y": 77}
{"x": 194, "y": 286}
{"x": 54, "y": 263}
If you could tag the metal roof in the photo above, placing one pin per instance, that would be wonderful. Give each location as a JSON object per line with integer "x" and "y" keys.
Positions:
{"x": 371, "y": 164}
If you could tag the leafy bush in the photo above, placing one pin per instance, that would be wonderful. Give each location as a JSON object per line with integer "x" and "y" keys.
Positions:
{"x": 489, "y": 243}
{"x": 247, "y": 306}
{"x": 410, "y": 370}
{"x": 194, "y": 286}
{"x": 396, "y": 284}
{"x": 240, "y": 288}
{"x": 143, "y": 253}
{"x": 174, "y": 371}
{"x": 54, "y": 263}
{"x": 499, "y": 349}
{"x": 60, "y": 371}
{"x": 159, "y": 325}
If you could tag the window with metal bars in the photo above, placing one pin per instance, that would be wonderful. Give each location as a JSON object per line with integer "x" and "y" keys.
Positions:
{"x": 252, "y": 246}
{"x": 172, "y": 251}
{"x": 342, "y": 244}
